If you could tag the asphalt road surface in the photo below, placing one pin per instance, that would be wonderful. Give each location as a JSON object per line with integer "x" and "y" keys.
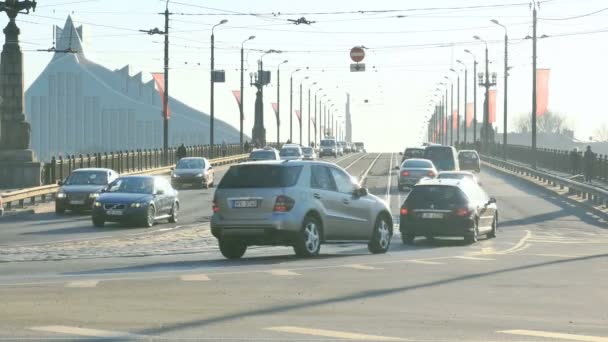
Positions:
{"x": 543, "y": 278}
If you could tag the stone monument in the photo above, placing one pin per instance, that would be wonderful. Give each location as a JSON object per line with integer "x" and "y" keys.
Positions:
{"x": 259, "y": 80}
{"x": 18, "y": 164}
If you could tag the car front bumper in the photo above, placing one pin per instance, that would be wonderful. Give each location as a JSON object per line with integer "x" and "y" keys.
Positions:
{"x": 80, "y": 203}
{"x": 128, "y": 215}
{"x": 277, "y": 229}
{"x": 449, "y": 226}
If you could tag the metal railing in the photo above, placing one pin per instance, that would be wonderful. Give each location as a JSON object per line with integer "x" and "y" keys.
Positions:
{"x": 125, "y": 163}
{"x": 592, "y": 194}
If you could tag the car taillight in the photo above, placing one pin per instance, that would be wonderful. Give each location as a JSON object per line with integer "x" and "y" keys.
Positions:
{"x": 404, "y": 211}
{"x": 283, "y": 204}
{"x": 462, "y": 212}
{"x": 431, "y": 174}
{"x": 216, "y": 208}
{"x": 405, "y": 173}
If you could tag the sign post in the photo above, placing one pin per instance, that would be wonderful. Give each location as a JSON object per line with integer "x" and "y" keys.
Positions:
{"x": 357, "y": 54}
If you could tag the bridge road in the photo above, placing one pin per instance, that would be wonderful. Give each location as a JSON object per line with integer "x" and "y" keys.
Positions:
{"x": 543, "y": 278}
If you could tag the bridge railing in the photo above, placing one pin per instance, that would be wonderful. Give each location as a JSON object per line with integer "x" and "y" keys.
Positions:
{"x": 127, "y": 162}
{"x": 562, "y": 161}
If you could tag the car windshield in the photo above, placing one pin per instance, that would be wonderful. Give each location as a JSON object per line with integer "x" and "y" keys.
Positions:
{"x": 263, "y": 155}
{"x": 468, "y": 155}
{"x": 414, "y": 153}
{"x": 417, "y": 164}
{"x": 260, "y": 176}
{"x": 290, "y": 152}
{"x": 441, "y": 156}
{"x": 437, "y": 196}
{"x": 190, "y": 164}
{"x": 87, "y": 178}
{"x": 307, "y": 150}
{"x": 134, "y": 185}
{"x": 328, "y": 143}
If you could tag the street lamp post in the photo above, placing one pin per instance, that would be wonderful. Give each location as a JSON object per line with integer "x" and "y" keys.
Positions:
{"x": 474, "y": 96}
{"x": 506, "y": 71}
{"x": 291, "y": 105}
{"x": 316, "y": 115}
{"x": 241, "y": 109}
{"x": 211, "y": 102}
{"x": 301, "y": 114}
{"x": 465, "y": 98}
{"x": 279, "y": 101}
{"x": 486, "y": 84}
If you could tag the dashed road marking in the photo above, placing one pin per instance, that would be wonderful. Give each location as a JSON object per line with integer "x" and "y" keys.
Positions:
{"x": 557, "y": 255}
{"x": 388, "y": 184}
{"x": 283, "y": 273}
{"x": 82, "y": 284}
{"x": 334, "y": 334}
{"x": 425, "y": 262}
{"x": 555, "y": 335}
{"x": 473, "y": 258}
{"x": 62, "y": 329}
{"x": 364, "y": 176}
{"x": 362, "y": 267}
{"x": 194, "y": 277}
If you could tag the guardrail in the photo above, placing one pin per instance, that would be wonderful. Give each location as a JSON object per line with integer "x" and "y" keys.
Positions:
{"x": 43, "y": 192}
{"x": 592, "y": 194}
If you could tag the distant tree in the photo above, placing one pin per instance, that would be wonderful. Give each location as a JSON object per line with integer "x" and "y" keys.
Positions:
{"x": 522, "y": 124}
{"x": 550, "y": 122}
{"x": 601, "y": 133}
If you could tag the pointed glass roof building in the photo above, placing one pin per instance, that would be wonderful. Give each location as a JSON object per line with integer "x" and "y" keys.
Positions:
{"x": 78, "y": 106}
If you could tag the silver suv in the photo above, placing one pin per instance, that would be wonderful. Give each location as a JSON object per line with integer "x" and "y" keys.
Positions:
{"x": 296, "y": 203}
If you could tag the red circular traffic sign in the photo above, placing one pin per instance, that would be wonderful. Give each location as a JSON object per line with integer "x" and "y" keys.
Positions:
{"x": 357, "y": 54}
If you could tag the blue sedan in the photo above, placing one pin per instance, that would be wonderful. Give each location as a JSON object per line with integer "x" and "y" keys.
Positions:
{"x": 141, "y": 200}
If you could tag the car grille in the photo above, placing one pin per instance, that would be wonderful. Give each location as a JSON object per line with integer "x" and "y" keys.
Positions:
{"x": 78, "y": 196}
{"x": 108, "y": 206}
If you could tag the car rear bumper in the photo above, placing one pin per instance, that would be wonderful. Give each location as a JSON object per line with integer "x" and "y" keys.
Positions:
{"x": 409, "y": 181}
{"x": 187, "y": 180}
{"x": 432, "y": 227}
{"x": 280, "y": 229}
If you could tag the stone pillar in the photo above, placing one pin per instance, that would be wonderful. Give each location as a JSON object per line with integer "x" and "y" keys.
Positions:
{"x": 259, "y": 132}
{"x": 18, "y": 165}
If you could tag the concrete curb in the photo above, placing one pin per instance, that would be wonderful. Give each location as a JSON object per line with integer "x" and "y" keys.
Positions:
{"x": 602, "y": 213}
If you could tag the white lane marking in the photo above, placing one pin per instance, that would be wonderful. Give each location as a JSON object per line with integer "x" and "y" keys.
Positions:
{"x": 194, "y": 277}
{"x": 82, "y": 284}
{"x": 364, "y": 176}
{"x": 425, "y": 262}
{"x": 283, "y": 273}
{"x": 333, "y": 333}
{"x": 353, "y": 163}
{"x": 472, "y": 258}
{"x": 555, "y": 335}
{"x": 362, "y": 267}
{"x": 388, "y": 183}
{"x": 520, "y": 246}
{"x": 557, "y": 255}
{"x": 62, "y": 329}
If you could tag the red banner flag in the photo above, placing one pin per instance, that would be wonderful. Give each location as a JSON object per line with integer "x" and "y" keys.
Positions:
{"x": 469, "y": 114}
{"x": 275, "y": 107}
{"x": 542, "y": 91}
{"x": 314, "y": 122}
{"x": 492, "y": 100}
{"x": 298, "y": 115}
{"x": 159, "y": 79}
{"x": 237, "y": 96}
{"x": 455, "y": 119}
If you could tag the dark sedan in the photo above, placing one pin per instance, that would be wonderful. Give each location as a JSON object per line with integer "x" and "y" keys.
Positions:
{"x": 192, "y": 172}
{"x": 81, "y": 188}
{"x": 142, "y": 200}
{"x": 469, "y": 160}
{"x": 448, "y": 207}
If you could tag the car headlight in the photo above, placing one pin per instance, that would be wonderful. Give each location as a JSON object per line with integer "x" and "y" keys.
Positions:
{"x": 97, "y": 204}
{"x": 174, "y": 175}
{"x": 199, "y": 175}
{"x": 94, "y": 195}
{"x": 61, "y": 195}
{"x": 138, "y": 205}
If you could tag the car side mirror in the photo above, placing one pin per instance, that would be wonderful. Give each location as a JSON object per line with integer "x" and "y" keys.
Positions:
{"x": 104, "y": 190}
{"x": 400, "y": 153}
{"x": 160, "y": 192}
{"x": 397, "y": 167}
{"x": 361, "y": 192}
{"x": 172, "y": 169}
{"x": 60, "y": 183}
{"x": 492, "y": 200}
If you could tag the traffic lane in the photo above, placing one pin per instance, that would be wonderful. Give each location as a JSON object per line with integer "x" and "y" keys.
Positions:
{"x": 49, "y": 227}
{"x": 453, "y": 299}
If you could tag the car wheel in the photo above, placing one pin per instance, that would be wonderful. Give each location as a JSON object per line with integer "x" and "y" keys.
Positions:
{"x": 98, "y": 222}
{"x": 492, "y": 233}
{"x": 232, "y": 249}
{"x": 381, "y": 237}
{"x": 59, "y": 210}
{"x": 473, "y": 237}
{"x": 174, "y": 213}
{"x": 407, "y": 238}
{"x": 308, "y": 243}
{"x": 150, "y": 216}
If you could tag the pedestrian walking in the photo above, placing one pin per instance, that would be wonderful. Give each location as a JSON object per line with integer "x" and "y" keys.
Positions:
{"x": 181, "y": 152}
{"x": 224, "y": 148}
{"x": 589, "y": 159}
{"x": 574, "y": 161}
{"x": 247, "y": 146}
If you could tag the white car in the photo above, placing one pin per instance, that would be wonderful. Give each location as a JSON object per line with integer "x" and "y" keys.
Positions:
{"x": 291, "y": 152}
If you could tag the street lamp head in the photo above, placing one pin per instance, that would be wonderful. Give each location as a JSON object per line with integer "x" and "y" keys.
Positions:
{"x": 285, "y": 61}
{"x": 477, "y": 37}
{"x": 251, "y": 38}
{"x": 223, "y": 21}
{"x": 495, "y": 22}
{"x": 452, "y": 70}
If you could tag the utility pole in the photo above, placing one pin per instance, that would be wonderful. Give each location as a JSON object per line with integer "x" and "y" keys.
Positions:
{"x": 458, "y": 110}
{"x": 445, "y": 121}
{"x": 241, "y": 109}
{"x": 301, "y": 114}
{"x": 279, "y": 101}
{"x": 534, "y": 24}
{"x": 308, "y": 141}
{"x": 291, "y": 105}
{"x": 486, "y": 83}
{"x": 466, "y": 87}
{"x": 451, "y": 123}
{"x": 504, "y": 134}
{"x": 212, "y": 80}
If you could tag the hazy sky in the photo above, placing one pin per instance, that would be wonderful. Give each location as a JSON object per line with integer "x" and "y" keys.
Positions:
{"x": 411, "y": 49}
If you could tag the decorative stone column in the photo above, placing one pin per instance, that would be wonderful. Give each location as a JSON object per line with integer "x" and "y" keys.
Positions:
{"x": 18, "y": 165}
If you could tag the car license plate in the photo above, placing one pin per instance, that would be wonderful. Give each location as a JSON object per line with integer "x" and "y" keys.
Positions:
{"x": 114, "y": 212}
{"x": 76, "y": 202}
{"x": 187, "y": 184}
{"x": 246, "y": 204}
{"x": 432, "y": 215}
